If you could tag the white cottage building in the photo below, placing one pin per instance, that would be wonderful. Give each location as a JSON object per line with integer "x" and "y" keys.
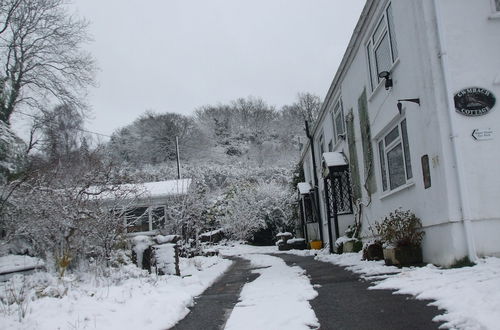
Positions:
{"x": 413, "y": 112}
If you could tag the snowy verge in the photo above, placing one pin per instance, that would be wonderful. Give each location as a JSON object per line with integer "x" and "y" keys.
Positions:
{"x": 239, "y": 249}
{"x": 470, "y": 296}
{"x": 14, "y": 263}
{"x": 277, "y": 299}
{"x": 136, "y": 301}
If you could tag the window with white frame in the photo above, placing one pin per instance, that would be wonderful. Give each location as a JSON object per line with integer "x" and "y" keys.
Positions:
{"x": 338, "y": 121}
{"x": 394, "y": 153}
{"x": 382, "y": 50}
{"x": 139, "y": 219}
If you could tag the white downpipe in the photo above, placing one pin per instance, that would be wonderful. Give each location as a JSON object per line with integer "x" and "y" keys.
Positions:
{"x": 455, "y": 139}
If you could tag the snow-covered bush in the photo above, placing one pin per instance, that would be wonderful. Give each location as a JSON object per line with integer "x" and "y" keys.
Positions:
{"x": 400, "y": 228}
{"x": 64, "y": 213}
{"x": 251, "y": 209}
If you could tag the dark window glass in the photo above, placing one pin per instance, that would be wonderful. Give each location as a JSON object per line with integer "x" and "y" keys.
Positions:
{"x": 392, "y": 33}
{"x": 379, "y": 30}
{"x": 396, "y": 166}
{"x": 339, "y": 124}
{"x": 392, "y": 136}
{"x": 158, "y": 217}
{"x": 497, "y": 4}
{"x": 382, "y": 165}
{"x": 308, "y": 209}
{"x": 137, "y": 219}
{"x": 383, "y": 55}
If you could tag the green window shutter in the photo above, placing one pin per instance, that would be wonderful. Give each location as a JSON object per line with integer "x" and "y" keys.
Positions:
{"x": 353, "y": 157}
{"x": 364, "y": 122}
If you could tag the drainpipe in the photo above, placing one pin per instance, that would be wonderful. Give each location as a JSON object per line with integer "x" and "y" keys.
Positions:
{"x": 315, "y": 183}
{"x": 455, "y": 139}
{"x": 304, "y": 218}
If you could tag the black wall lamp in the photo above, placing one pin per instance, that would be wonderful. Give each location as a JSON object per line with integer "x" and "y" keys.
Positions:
{"x": 400, "y": 106}
{"x": 387, "y": 76}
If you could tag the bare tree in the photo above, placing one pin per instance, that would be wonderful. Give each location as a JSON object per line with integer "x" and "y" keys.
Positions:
{"x": 61, "y": 132}
{"x": 151, "y": 139}
{"x": 7, "y": 8}
{"x": 306, "y": 107}
{"x": 41, "y": 53}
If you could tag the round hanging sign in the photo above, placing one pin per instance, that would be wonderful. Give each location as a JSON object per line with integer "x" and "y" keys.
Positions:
{"x": 474, "y": 101}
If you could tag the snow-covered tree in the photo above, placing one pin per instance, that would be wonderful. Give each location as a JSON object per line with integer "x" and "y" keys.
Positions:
{"x": 68, "y": 216}
{"x": 151, "y": 139}
{"x": 256, "y": 212}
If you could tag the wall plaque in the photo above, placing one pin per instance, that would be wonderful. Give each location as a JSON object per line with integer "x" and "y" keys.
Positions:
{"x": 426, "y": 171}
{"x": 474, "y": 101}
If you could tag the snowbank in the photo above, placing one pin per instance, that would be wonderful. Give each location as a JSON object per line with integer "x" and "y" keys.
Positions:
{"x": 14, "y": 263}
{"x": 277, "y": 299}
{"x": 137, "y": 301}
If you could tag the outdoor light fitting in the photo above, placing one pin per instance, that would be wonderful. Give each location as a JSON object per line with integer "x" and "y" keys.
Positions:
{"x": 387, "y": 76}
{"x": 400, "y": 106}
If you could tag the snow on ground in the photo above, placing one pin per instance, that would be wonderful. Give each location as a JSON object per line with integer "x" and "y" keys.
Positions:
{"x": 13, "y": 263}
{"x": 130, "y": 299}
{"x": 277, "y": 299}
{"x": 470, "y": 296}
{"x": 240, "y": 249}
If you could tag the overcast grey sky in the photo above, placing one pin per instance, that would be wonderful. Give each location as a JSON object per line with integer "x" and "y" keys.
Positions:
{"x": 177, "y": 55}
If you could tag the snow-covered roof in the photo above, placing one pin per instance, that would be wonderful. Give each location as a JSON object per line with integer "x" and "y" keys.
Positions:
{"x": 334, "y": 159}
{"x": 160, "y": 189}
{"x": 304, "y": 188}
{"x": 212, "y": 233}
{"x": 166, "y": 188}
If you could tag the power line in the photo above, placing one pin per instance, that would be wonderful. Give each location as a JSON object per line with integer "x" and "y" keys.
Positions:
{"x": 78, "y": 129}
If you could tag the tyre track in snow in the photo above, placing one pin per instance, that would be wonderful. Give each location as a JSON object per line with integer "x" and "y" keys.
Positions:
{"x": 212, "y": 309}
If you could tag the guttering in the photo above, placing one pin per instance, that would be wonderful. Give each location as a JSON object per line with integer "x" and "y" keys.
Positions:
{"x": 455, "y": 139}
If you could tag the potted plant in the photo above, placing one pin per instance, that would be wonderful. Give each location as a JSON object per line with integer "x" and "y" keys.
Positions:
{"x": 351, "y": 243}
{"x": 373, "y": 250}
{"x": 401, "y": 232}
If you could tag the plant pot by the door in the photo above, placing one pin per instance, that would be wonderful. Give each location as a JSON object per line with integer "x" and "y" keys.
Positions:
{"x": 316, "y": 245}
{"x": 402, "y": 231}
{"x": 352, "y": 246}
{"x": 407, "y": 255}
{"x": 373, "y": 251}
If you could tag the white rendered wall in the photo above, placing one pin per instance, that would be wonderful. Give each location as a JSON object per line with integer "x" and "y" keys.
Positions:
{"x": 471, "y": 34}
{"x": 472, "y": 42}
